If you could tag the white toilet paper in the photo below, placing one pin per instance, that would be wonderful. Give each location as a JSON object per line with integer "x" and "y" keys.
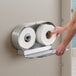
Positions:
{"x": 23, "y": 38}
{"x": 44, "y": 35}
{"x": 37, "y": 50}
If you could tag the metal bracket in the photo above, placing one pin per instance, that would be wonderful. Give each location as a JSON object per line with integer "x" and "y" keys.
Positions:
{"x": 38, "y": 50}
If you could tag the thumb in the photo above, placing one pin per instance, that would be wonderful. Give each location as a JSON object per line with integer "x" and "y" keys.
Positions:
{"x": 54, "y": 31}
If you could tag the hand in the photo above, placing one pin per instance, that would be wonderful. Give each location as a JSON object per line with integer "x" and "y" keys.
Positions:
{"x": 58, "y": 30}
{"x": 60, "y": 50}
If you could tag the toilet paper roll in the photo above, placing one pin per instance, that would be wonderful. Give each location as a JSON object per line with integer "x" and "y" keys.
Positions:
{"x": 44, "y": 35}
{"x": 23, "y": 38}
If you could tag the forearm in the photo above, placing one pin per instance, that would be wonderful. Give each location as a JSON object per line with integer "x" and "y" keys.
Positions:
{"x": 70, "y": 33}
{"x": 66, "y": 26}
{"x": 69, "y": 24}
{"x": 71, "y": 30}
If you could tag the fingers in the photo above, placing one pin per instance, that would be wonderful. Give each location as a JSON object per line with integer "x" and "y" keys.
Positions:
{"x": 53, "y": 32}
{"x": 60, "y": 50}
{"x": 59, "y": 53}
{"x": 58, "y": 34}
{"x": 57, "y": 31}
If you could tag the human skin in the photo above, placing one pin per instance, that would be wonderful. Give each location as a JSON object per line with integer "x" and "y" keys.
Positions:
{"x": 70, "y": 27}
{"x": 68, "y": 37}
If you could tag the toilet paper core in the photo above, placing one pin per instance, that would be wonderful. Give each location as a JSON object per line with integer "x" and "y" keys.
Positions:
{"x": 27, "y": 37}
{"x": 48, "y": 34}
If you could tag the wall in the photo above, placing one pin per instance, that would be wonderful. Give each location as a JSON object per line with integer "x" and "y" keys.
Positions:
{"x": 14, "y": 12}
{"x": 66, "y": 58}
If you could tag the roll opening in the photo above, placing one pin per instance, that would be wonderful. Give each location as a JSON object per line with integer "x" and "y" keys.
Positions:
{"x": 48, "y": 34}
{"x": 27, "y": 37}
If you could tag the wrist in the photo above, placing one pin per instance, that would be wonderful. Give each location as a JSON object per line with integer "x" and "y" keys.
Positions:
{"x": 63, "y": 43}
